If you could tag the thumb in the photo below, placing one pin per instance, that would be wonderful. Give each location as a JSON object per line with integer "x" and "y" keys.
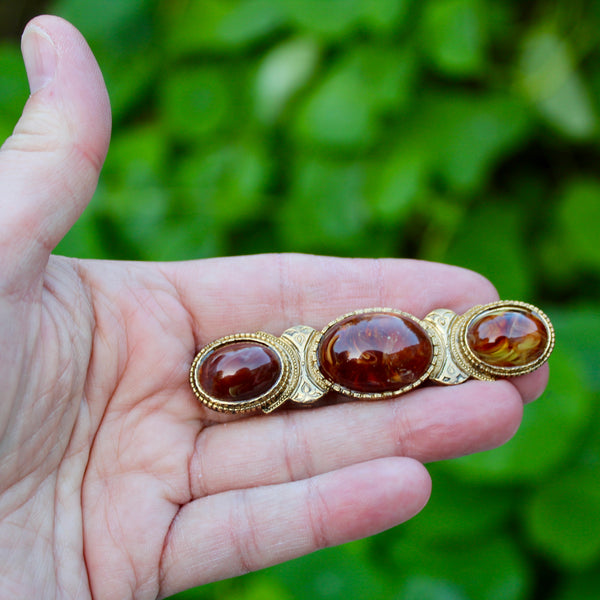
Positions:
{"x": 49, "y": 167}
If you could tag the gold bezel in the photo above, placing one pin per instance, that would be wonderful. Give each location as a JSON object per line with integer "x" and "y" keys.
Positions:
{"x": 477, "y": 367}
{"x": 315, "y": 371}
{"x": 286, "y": 381}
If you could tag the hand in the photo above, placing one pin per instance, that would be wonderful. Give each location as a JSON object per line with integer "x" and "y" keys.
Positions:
{"x": 114, "y": 481}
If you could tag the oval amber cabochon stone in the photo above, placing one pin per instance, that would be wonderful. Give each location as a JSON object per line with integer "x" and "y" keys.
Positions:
{"x": 507, "y": 337}
{"x": 375, "y": 353}
{"x": 239, "y": 371}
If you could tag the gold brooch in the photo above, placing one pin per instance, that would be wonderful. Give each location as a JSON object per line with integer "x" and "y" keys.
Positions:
{"x": 371, "y": 354}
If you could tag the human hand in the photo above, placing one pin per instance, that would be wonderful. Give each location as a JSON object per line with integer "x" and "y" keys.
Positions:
{"x": 114, "y": 481}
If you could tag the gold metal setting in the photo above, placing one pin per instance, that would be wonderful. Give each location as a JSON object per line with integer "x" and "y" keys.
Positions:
{"x": 302, "y": 382}
{"x": 446, "y": 369}
{"x": 310, "y": 386}
{"x": 274, "y": 397}
{"x": 478, "y": 368}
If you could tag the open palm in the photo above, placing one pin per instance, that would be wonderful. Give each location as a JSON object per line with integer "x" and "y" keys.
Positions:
{"x": 114, "y": 481}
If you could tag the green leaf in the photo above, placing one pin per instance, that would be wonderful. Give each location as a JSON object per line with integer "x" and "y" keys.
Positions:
{"x": 215, "y": 591}
{"x": 459, "y": 511}
{"x": 339, "y": 112}
{"x": 486, "y": 568}
{"x": 13, "y": 89}
{"x": 579, "y": 329}
{"x": 334, "y": 19}
{"x": 469, "y": 133}
{"x": 397, "y": 182}
{"x": 578, "y": 218}
{"x": 262, "y": 587}
{"x": 196, "y": 102}
{"x": 137, "y": 157}
{"x": 139, "y": 214}
{"x": 549, "y": 80}
{"x": 331, "y": 574}
{"x": 248, "y": 21}
{"x": 558, "y": 264}
{"x": 429, "y": 588}
{"x": 282, "y": 73}
{"x": 84, "y": 239}
{"x": 563, "y": 520}
{"x": 221, "y": 25}
{"x": 491, "y": 241}
{"x": 180, "y": 239}
{"x": 155, "y": 221}
{"x": 130, "y": 85}
{"x": 331, "y": 19}
{"x": 389, "y": 75}
{"x": 191, "y": 26}
{"x": 549, "y": 432}
{"x": 345, "y": 109}
{"x": 103, "y": 20}
{"x": 385, "y": 15}
{"x": 326, "y": 208}
{"x": 229, "y": 181}
{"x": 579, "y": 586}
{"x": 454, "y": 35}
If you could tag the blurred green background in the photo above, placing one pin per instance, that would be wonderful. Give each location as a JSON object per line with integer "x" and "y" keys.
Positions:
{"x": 462, "y": 131}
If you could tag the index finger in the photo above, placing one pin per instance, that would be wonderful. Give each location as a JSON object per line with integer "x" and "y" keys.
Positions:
{"x": 272, "y": 292}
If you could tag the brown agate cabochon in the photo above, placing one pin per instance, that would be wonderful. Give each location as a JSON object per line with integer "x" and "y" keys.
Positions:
{"x": 375, "y": 352}
{"x": 508, "y": 337}
{"x": 239, "y": 371}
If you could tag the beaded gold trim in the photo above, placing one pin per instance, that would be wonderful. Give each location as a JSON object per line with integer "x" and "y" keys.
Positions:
{"x": 480, "y": 369}
{"x": 275, "y": 396}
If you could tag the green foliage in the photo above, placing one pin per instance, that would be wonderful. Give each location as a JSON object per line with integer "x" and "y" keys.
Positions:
{"x": 548, "y": 435}
{"x": 196, "y": 102}
{"x": 454, "y": 36}
{"x": 460, "y": 566}
{"x": 463, "y": 131}
{"x": 13, "y": 88}
{"x": 549, "y": 79}
{"x": 583, "y": 586}
{"x": 283, "y": 71}
{"x": 570, "y": 537}
{"x": 579, "y": 214}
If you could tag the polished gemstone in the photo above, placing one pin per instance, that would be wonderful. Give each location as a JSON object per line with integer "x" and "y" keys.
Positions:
{"x": 375, "y": 352}
{"x": 239, "y": 371}
{"x": 507, "y": 337}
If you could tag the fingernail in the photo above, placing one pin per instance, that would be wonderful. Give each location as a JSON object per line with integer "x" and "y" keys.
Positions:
{"x": 39, "y": 54}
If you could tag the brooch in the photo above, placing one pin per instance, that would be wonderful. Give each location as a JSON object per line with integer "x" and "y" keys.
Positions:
{"x": 371, "y": 354}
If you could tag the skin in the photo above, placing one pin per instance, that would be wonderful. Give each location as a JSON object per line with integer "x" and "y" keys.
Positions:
{"x": 114, "y": 481}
